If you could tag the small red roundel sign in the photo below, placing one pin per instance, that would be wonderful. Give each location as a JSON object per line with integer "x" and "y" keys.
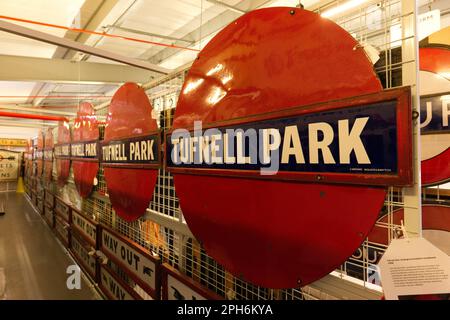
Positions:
{"x": 84, "y": 149}
{"x": 130, "y": 152}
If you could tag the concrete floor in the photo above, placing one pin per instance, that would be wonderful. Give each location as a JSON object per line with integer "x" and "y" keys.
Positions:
{"x": 32, "y": 262}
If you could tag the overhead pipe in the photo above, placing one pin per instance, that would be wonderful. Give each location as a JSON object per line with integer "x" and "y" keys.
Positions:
{"x": 41, "y": 111}
{"x": 26, "y": 125}
{"x": 32, "y": 116}
{"x": 103, "y": 34}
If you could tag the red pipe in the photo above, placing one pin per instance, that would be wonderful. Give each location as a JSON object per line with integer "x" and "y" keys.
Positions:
{"x": 104, "y": 34}
{"x": 31, "y": 116}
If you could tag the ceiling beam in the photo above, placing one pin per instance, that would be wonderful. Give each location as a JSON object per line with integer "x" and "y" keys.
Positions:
{"x": 70, "y": 44}
{"x": 17, "y": 68}
{"x": 207, "y": 28}
{"x": 232, "y": 8}
{"x": 37, "y": 110}
{"x": 93, "y": 12}
{"x": 148, "y": 34}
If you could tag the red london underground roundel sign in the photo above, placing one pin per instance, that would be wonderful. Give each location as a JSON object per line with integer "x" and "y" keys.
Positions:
{"x": 130, "y": 152}
{"x": 435, "y": 114}
{"x": 283, "y": 144}
{"x": 84, "y": 149}
{"x": 62, "y": 153}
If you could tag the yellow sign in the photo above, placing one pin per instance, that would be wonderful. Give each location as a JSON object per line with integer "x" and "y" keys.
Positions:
{"x": 9, "y": 165}
{"x": 13, "y": 142}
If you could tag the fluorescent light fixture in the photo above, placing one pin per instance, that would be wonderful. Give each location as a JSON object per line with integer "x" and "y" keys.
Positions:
{"x": 342, "y": 8}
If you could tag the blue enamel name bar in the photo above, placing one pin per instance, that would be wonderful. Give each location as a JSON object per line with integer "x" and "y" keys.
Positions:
{"x": 361, "y": 140}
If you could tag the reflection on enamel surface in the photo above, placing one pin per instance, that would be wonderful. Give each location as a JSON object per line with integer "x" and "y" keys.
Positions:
{"x": 193, "y": 85}
{"x": 216, "y": 69}
{"x": 216, "y": 95}
{"x": 227, "y": 79}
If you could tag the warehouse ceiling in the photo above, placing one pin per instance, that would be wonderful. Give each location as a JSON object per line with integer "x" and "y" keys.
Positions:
{"x": 165, "y": 33}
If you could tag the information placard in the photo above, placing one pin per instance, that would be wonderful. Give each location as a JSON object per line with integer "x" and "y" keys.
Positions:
{"x": 413, "y": 269}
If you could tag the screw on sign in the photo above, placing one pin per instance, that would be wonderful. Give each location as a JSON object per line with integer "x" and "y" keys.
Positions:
{"x": 84, "y": 149}
{"x": 130, "y": 152}
{"x": 435, "y": 110}
{"x": 291, "y": 81}
{"x": 62, "y": 153}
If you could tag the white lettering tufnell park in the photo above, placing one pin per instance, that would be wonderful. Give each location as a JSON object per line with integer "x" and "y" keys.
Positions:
{"x": 212, "y": 146}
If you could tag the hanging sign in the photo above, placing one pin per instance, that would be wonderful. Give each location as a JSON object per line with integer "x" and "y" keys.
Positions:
{"x": 414, "y": 269}
{"x": 360, "y": 140}
{"x": 130, "y": 152}
{"x": 311, "y": 128}
{"x": 84, "y": 149}
{"x": 62, "y": 153}
{"x": 115, "y": 288}
{"x": 435, "y": 114}
{"x": 132, "y": 259}
{"x": 9, "y": 165}
{"x": 177, "y": 286}
{"x": 81, "y": 251}
{"x": 13, "y": 142}
{"x": 85, "y": 226}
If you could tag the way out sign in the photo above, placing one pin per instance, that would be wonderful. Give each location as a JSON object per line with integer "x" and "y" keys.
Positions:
{"x": 288, "y": 171}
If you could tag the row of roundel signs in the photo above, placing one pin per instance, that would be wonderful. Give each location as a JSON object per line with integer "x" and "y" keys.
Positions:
{"x": 297, "y": 80}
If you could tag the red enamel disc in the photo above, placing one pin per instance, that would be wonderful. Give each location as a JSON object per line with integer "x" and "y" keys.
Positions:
{"x": 85, "y": 129}
{"x": 272, "y": 233}
{"x": 435, "y": 225}
{"x": 63, "y": 165}
{"x": 130, "y": 189}
{"x": 435, "y": 79}
{"x": 48, "y": 162}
